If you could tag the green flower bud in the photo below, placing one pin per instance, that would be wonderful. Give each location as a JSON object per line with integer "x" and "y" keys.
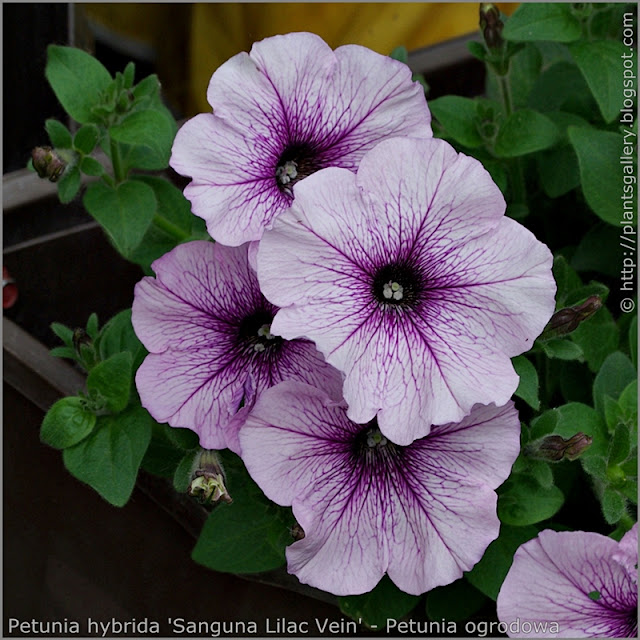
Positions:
{"x": 48, "y": 163}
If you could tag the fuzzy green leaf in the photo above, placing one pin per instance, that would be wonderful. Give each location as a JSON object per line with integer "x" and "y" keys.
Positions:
{"x": 66, "y": 423}
{"x": 110, "y": 380}
{"x": 77, "y": 79}
{"x": 524, "y": 132}
{"x": 457, "y": 115}
{"x": 600, "y": 64}
{"x": 86, "y": 138}
{"x": 614, "y": 375}
{"x": 69, "y": 185}
{"x": 59, "y": 135}
{"x": 108, "y": 460}
{"x": 601, "y": 174}
{"x": 125, "y": 212}
{"x": 529, "y": 387}
{"x": 523, "y": 501}
{"x": 542, "y": 21}
{"x": 385, "y": 601}
{"x": 613, "y": 505}
{"x": 562, "y": 349}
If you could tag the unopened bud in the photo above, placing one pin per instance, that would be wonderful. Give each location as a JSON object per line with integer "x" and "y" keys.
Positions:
{"x": 554, "y": 448}
{"x": 297, "y": 532}
{"x": 568, "y": 319}
{"x": 491, "y": 25}
{"x": 48, "y": 163}
{"x": 208, "y": 481}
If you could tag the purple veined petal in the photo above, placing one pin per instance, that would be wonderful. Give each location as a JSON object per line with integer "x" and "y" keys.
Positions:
{"x": 570, "y": 579}
{"x": 368, "y": 506}
{"x": 428, "y": 350}
{"x": 280, "y": 113}
{"x": 627, "y": 552}
{"x": 207, "y": 328}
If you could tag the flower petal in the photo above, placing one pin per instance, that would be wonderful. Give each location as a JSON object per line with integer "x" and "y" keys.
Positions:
{"x": 416, "y": 512}
{"x": 551, "y": 579}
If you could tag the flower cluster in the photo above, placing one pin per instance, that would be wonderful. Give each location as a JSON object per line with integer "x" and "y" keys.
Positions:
{"x": 350, "y": 334}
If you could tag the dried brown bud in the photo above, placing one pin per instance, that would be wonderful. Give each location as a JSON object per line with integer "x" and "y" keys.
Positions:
{"x": 297, "y": 532}
{"x": 208, "y": 480}
{"x": 554, "y": 448}
{"x": 568, "y": 319}
{"x": 491, "y": 25}
{"x": 47, "y": 163}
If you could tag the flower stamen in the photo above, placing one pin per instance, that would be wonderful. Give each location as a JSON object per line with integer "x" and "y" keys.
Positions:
{"x": 287, "y": 172}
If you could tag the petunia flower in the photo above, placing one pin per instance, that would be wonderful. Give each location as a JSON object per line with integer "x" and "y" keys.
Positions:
{"x": 584, "y": 582}
{"x": 286, "y": 109}
{"x": 411, "y": 281}
{"x": 206, "y": 325}
{"x": 423, "y": 514}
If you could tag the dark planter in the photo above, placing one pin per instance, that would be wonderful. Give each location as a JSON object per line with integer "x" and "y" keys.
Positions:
{"x": 68, "y": 554}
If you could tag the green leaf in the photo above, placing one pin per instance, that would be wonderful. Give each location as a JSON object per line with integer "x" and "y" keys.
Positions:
{"x": 125, "y": 212}
{"x": 109, "y": 459}
{"x": 562, "y": 87}
{"x": 77, "y": 79}
{"x": 595, "y": 466}
{"x": 614, "y": 375}
{"x": 523, "y": 501}
{"x": 597, "y": 336}
{"x": 541, "y": 471}
{"x": 458, "y": 116}
{"x": 454, "y": 602}
{"x": 91, "y": 166}
{"x": 575, "y": 417}
{"x": 401, "y": 54}
{"x": 613, "y": 413}
{"x": 563, "y": 349}
{"x": 542, "y": 21}
{"x": 633, "y": 341}
{"x": 150, "y": 134}
{"x": 558, "y": 170}
{"x": 86, "y": 138}
{"x": 566, "y": 278}
{"x": 599, "y": 250}
{"x": 63, "y": 352}
{"x": 613, "y": 505}
{"x": 601, "y": 174}
{"x": 628, "y": 402}
{"x": 118, "y": 336}
{"x": 600, "y": 62}
{"x": 64, "y": 333}
{"x": 128, "y": 75}
{"x": 620, "y": 448}
{"x": 110, "y": 381}
{"x": 247, "y": 536}
{"x": 184, "y": 471}
{"x": 66, "y": 423}
{"x": 59, "y": 135}
{"x": 544, "y": 424}
{"x": 385, "y": 601}
{"x": 174, "y": 212}
{"x": 162, "y": 456}
{"x": 525, "y": 131}
{"x": 92, "y": 326}
{"x": 477, "y": 50}
{"x": 69, "y": 185}
{"x": 529, "y": 386}
{"x": 489, "y": 574}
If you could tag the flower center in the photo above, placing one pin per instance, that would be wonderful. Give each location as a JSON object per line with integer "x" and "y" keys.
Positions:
{"x": 255, "y": 333}
{"x": 296, "y": 162}
{"x": 397, "y": 285}
{"x": 370, "y": 446}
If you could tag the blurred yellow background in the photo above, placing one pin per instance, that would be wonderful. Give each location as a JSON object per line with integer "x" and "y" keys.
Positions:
{"x": 192, "y": 40}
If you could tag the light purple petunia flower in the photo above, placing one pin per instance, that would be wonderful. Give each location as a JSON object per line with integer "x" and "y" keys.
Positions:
{"x": 585, "y": 582}
{"x": 423, "y": 513}
{"x": 206, "y": 325}
{"x": 281, "y": 112}
{"x": 411, "y": 281}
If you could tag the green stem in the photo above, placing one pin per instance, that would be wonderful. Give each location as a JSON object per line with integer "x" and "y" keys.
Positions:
{"x": 116, "y": 162}
{"x": 170, "y": 228}
{"x": 516, "y": 173}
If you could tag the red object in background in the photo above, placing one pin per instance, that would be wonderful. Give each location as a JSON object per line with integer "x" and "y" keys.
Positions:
{"x": 9, "y": 289}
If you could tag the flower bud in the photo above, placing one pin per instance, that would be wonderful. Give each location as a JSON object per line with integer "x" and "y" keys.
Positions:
{"x": 297, "y": 532}
{"x": 568, "y": 319}
{"x": 208, "y": 481}
{"x": 554, "y": 448}
{"x": 491, "y": 25}
{"x": 47, "y": 163}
